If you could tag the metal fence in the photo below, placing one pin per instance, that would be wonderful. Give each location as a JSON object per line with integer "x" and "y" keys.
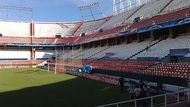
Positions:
{"x": 155, "y": 101}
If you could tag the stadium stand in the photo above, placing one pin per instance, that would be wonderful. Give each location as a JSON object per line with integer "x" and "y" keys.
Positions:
{"x": 21, "y": 30}
{"x": 79, "y": 24}
{"x": 108, "y": 33}
{"x": 117, "y": 20}
{"x": 52, "y": 29}
{"x": 163, "y": 48}
{"x": 6, "y": 54}
{"x": 90, "y": 27}
{"x": 122, "y": 66}
{"x": 176, "y": 4}
{"x": 42, "y": 54}
{"x": 159, "y": 50}
{"x": 176, "y": 70}
{"x": 179, "y": 70}
{"x": 150, "y": 9}
{"x": 117, "y": 50}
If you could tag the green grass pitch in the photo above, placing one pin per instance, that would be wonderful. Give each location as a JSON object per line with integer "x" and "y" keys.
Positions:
{"x": 39, "y": 88}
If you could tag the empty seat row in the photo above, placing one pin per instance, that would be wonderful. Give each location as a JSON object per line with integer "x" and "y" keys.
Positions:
{"x": 169, "y": 70}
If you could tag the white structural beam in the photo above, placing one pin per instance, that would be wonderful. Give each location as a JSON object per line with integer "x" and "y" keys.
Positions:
{"x": 129, "y": 4}
{"x": 138, "y": 2}
{"x": 114, "y": 7}
{"x": 121, "y": 6}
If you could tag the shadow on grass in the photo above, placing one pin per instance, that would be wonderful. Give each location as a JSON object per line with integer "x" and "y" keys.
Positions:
{"x": 29, "y": 71}
{"x": 78, "y": 92}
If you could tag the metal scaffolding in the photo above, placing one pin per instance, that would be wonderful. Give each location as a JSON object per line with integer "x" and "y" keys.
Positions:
{"x": 120, "y": 6}
{"x": 89, "y": 7}
{"x": 7, "y": 9}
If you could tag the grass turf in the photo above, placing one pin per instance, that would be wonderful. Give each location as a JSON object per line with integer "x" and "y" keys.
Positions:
{"x": 39, "y": 88}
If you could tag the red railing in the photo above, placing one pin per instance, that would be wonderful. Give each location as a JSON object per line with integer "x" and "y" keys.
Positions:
{"x": 37, "y": 40}
{"x": 15, "y": 39}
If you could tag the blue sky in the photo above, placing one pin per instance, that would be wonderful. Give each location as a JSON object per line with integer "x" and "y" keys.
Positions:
{"x": 55, "y": 10}
{"x": 51, "y": 10}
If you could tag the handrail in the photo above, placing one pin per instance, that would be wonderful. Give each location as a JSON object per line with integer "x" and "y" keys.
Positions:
{"x": 144, "y": 49}
{"x": 162, "y": 95}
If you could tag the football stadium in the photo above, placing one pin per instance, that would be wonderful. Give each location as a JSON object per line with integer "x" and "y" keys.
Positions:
{"x": 137, "y": 56}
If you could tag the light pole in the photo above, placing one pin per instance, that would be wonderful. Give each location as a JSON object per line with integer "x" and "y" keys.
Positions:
{"x": 55, "y": 60}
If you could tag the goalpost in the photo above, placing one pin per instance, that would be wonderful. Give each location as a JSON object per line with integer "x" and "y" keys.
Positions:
{"x": 67, "y": 59}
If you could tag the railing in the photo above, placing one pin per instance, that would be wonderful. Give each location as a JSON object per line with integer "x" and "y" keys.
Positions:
{"x": 98, "y": 52}
{"x": 163, "y": 100}
{"x": 151, "y": 45}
